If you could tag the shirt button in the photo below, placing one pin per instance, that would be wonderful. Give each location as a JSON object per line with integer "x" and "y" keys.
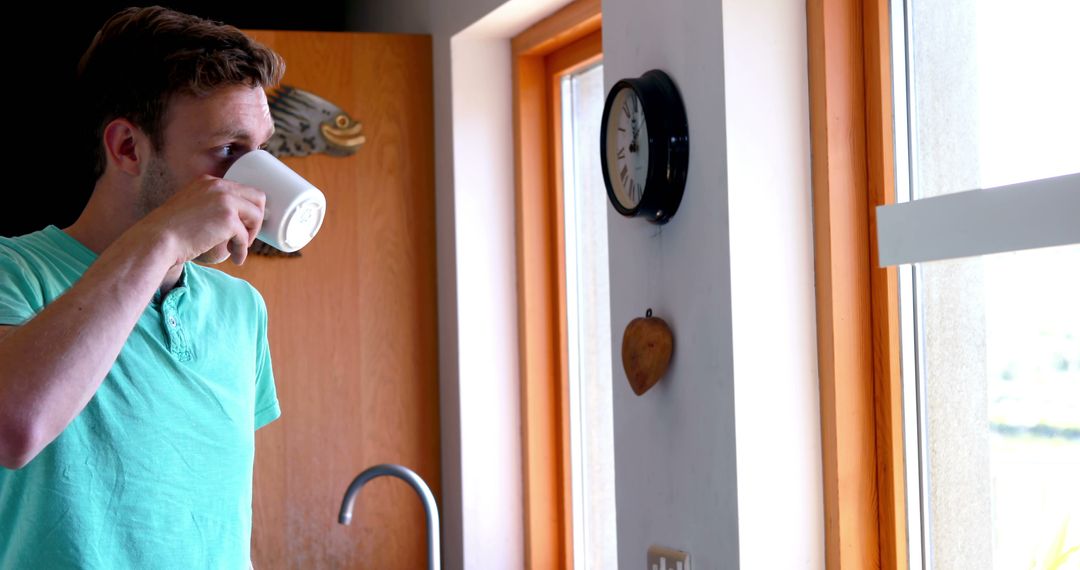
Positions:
{"x": 172, "y": 321}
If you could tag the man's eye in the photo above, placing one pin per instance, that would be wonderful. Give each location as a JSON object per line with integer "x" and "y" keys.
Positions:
{"x": 231, "y": 152}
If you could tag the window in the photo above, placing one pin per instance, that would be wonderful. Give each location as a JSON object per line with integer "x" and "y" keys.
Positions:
{"x": 563, "y": 294}
{"x": 991, "y": 340}
{"x": 592, "y": 461}
{"x": 964, "y": 432}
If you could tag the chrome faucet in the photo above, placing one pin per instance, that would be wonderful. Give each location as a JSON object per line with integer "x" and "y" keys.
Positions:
{"x": 418, "y": 485}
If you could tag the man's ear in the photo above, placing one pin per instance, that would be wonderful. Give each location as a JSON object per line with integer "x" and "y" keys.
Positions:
{"x": 127, "y": 148}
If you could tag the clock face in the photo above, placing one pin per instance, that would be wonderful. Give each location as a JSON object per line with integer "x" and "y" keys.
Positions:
{"x": 627, "y": 148}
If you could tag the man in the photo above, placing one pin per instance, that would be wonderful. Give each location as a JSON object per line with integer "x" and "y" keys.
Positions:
{"x": 131, "y": 379}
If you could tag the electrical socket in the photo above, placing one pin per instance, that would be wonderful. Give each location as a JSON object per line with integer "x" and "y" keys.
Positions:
{"x": 661, "y": 558}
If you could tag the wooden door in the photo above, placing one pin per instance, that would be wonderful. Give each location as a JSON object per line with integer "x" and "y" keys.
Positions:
{"x": 353, "y": 320}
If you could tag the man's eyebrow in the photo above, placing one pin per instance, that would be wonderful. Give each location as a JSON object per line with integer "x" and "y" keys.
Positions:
{"x": 237, "y": 133}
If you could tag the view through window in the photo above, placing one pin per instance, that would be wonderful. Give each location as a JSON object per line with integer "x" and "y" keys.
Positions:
{"x": 992, "y": 97}
{"x": 585, "y": 212}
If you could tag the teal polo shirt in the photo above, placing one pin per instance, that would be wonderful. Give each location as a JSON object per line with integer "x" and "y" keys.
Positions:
{"x": 156, "y": 471}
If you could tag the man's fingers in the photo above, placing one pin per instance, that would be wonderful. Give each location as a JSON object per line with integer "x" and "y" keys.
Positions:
{"x": 238, "y": 249}
{"x": 238, "y": 243}
{"x": 249, "y": 193}
{"x": 251, "y": 214}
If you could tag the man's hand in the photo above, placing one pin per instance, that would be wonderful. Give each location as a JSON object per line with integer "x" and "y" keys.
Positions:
{"x": 209, "y": 220}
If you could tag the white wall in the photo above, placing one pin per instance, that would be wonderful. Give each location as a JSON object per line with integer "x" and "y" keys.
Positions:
{"x": 777, "y": 421}
{"x": 490, "y": 429}
{"x": 722, "y": 458}
{"x": 675, "y": 471}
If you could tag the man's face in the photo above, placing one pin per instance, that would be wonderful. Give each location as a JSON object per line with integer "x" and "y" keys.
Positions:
{"x": 205, "y": 136}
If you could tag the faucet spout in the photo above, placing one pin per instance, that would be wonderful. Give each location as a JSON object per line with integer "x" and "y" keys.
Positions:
{"x": 431, "y": 509}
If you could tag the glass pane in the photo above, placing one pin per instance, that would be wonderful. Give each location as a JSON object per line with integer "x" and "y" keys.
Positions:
{"x": 1000, "y": 351}
{"x": 995, "y": 94}
{"x": 588, "y": 322}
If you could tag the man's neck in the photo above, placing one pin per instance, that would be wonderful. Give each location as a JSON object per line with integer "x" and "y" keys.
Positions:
{"x": 103, "y": 221}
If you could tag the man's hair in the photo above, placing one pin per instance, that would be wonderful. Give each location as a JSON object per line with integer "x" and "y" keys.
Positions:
{"x": 142, "y": 57}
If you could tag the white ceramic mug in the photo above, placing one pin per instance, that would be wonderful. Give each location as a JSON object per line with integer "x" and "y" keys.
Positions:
{"x": 294, "y": 207}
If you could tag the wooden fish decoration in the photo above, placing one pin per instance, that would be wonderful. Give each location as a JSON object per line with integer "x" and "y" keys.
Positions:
{"x": 306, "y": 124}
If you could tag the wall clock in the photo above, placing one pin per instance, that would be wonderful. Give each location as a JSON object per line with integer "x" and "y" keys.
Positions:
{"x": 645, "y": 147}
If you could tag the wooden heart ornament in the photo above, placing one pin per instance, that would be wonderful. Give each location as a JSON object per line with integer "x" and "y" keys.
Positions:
{"x": 646, "y": 351}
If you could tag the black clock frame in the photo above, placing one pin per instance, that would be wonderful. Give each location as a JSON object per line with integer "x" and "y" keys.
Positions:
{"x": 669, "y": 146}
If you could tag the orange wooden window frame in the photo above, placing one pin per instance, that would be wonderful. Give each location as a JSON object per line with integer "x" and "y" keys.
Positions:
{"x": 565, "y": 41}
{"x": 858, "y": 326}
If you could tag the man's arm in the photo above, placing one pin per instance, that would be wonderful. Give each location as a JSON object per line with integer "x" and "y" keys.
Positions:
{"x": 51, "y": 366}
